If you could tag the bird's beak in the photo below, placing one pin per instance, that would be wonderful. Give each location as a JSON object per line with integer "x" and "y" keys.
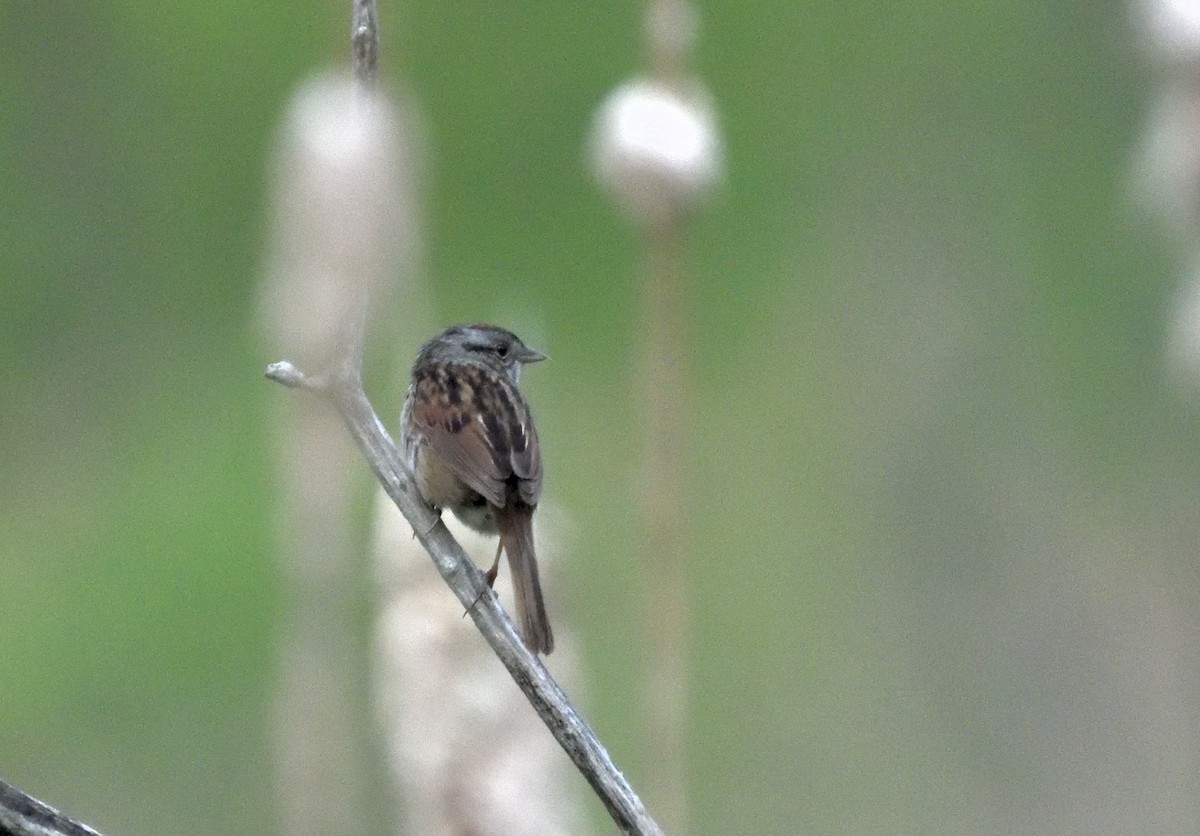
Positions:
{"x": 529, "y": 355}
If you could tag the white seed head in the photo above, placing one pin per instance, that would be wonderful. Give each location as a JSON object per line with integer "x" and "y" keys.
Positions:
{"x": 1172, "y": 29}
{"x": 657, "y": 149}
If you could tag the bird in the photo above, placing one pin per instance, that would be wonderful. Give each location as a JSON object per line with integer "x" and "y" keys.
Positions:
{"x": 470, "y": 441}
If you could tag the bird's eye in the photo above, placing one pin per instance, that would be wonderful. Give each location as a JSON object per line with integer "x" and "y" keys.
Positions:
{"x": 502, "y": 350}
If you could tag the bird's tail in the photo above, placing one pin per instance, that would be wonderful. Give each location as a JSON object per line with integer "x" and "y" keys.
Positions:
{"x": 516, "y": 536}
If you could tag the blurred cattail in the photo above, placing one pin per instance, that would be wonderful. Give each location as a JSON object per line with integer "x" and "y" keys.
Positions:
{"x": 1171, "y": 31}
{"x": 656, "y": 149}
{"x": 655, "y": 146}
{"x": 342, "y": 224}
{"x": 467, "y": 751}
{"x": 1167, "y": 174}
{"x": 344, "y": 213}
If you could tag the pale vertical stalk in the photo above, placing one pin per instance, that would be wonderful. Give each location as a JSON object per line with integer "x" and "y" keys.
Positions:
{"x": 664, "y": 493}
{"x": 1167, "y": 176}
{"x": 656, "y": 148}
{"x": 666, "y": 407}
{"x": 321, "y": 756}
{"x": 321, "y": 766}
{"x": 338, "y": 232}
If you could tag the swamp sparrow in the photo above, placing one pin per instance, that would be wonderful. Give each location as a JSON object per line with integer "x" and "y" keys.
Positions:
{"x": 470, "y": 442}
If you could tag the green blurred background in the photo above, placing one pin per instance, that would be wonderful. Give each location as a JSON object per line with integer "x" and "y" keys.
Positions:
{"x": 945, "y": 516}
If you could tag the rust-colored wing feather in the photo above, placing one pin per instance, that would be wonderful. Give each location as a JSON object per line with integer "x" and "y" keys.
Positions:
{"x": 482, "y": 429}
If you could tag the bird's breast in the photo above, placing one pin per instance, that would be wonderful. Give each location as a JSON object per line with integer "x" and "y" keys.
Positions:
{"x": 441, "y": 487}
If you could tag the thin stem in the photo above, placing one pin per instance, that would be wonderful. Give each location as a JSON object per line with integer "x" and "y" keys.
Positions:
{"x": 364, "y": 42}
{"x": 665, "y": 394}
{"x": 663, "y": 507}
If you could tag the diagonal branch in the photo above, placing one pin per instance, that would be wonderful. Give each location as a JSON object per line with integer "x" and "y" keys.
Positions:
{"x": 341, "y": 385}
{"x": 344, "y": 390}
{"x": 23, "y": 815}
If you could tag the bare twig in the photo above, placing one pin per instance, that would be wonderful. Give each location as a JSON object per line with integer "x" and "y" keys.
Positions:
{"x": 364, "y": 41}
{"x": 343, "y": 387}
{"x": 24, "y": 815}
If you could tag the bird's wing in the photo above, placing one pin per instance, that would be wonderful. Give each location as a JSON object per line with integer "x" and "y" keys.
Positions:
{"x": 484, "y": 434}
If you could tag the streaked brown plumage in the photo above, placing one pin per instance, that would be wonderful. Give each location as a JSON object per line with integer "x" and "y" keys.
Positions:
{"x": 470, "y": 440}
